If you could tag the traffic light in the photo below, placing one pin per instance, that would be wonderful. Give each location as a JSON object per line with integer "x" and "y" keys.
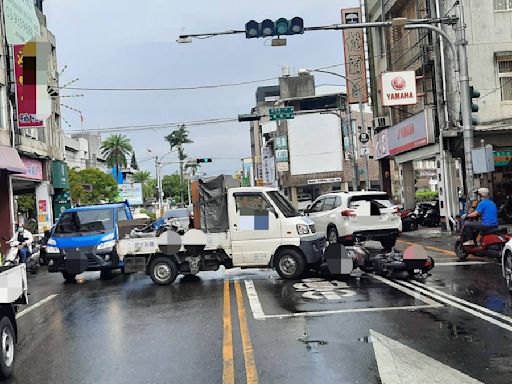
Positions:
{"x": 281, "y": 27}
{"x": 474, "y": 94}
{"x": 204, "y": 160}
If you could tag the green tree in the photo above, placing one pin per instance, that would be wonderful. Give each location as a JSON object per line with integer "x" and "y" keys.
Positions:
{"x": 172, "y": 186}
{"x": 148, "y": 184}
{"x": 116, "y": 150}
{"x": 133, "y": 162}
{"x": 176, "y": 140}
{"x": 103, "y": 187}
{"x": 27, "y": 204}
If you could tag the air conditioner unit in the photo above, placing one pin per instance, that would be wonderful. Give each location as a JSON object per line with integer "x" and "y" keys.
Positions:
{"x": 381, "y": 122}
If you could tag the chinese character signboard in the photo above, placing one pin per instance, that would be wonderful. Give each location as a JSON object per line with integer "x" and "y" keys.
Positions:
{"x": 25, "y": 94}
{"x": 399, "y": 88}
{"x": 34, "y": 169}
{"x": 281, "y": 151}
{"x": 21, "y": 22}
{"x": 355, "y": 65}
{"x": 132, "y": 193}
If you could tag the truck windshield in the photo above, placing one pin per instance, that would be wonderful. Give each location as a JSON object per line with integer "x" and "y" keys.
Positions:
{"x": 283, "y": 204}
{"x": 93, "y": 221}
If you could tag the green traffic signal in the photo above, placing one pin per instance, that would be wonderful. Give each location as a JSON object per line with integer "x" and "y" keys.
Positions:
{"x": 268, "y": 28}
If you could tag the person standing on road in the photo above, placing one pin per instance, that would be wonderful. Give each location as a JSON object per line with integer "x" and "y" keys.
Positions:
{"x": 487, "y": 209}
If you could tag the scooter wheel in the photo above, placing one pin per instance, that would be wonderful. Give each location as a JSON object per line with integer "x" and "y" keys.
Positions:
{"x": 459, "y": 251}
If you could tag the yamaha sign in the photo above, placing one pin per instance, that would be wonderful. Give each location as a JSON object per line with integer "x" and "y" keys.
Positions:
{"x": 399, "y": 88}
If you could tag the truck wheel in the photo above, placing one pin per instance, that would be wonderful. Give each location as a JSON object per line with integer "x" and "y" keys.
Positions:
{"x": 290, "y": 264}
{"x": 69, "y": 277}
{"x": 163, "y": 271}
{"x": 7, "y": 340}
{"x": 389, "y": 242}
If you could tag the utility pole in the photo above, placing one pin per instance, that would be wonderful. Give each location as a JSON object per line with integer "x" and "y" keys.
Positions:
{"x": 158, "y": 186}
{"x": 180, "y": 154}
{"x": 355, "y": 168}
{"x": 465, "y": 99}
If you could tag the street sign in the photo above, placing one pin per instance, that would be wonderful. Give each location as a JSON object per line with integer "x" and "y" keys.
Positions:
{"x": 282, "y": 113}
{"x": 364, "y": 138}
{"x": 364, "y": 151}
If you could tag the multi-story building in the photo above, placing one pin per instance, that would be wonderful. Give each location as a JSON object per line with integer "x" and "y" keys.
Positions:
{"x": 32, "y": 158}
{"x": 82, "y": 151}
{"x": 436, "y": 114}
{"x": 310, "y": 154}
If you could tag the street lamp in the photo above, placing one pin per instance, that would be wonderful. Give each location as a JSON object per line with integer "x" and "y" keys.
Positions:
{"x": 363, "y": 125}
{"x": 158, "y": 175}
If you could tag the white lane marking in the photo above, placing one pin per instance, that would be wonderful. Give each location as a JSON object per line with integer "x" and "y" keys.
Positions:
{"x": 407, "y": 291}
{"x": 398, "y": 363}
{"x": 36, "y": 305}
{"x": 462, "y": 301}
{"x": 258, "y": 314}
{"x": 254, "y": 300}
{"x": 489, "y": 319}
{"x": 457, "y": 263}
{"x": 348, "y": 310}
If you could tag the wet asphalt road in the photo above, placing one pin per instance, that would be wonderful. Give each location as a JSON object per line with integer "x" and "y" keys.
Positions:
{"x": 128, "y": 330}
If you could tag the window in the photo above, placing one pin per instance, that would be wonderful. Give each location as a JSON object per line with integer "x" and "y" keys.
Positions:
{"x": 502, "y": 5}
{"x": 329, "y": 203}
{"x": 317, "y": 206}
{"x": 251, "y": 204}
{"x": 283, "y": 204}
{"x": 121, "y": 215}
{"x": 505, "y": 75}
{"x": 92, "y": 221}
{"x": 337, "y": 204}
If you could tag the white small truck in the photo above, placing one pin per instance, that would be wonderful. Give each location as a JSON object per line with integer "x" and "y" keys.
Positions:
{"x": 13, "y": 291}
{"x": 240, "y": 227}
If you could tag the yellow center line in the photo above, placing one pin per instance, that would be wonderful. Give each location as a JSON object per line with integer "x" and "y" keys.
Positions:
{"x": 228, "y": 370}
{"x": 250, "y": 365}
{"x": 449, "y": 253}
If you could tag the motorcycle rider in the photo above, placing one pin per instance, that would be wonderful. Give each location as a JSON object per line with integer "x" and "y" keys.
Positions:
{"x": 487, "y": 209}
{"x": 25, "y": 238}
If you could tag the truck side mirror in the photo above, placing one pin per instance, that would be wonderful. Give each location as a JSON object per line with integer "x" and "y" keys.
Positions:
{"x": 272, "y": 210}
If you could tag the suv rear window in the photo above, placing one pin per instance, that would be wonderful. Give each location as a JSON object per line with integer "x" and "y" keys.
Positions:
{"x": 378, "y": 202}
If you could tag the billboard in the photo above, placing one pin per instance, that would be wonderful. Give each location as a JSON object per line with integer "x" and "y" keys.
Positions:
{"x": 414, "y": 132}
{"x": 132, "y": 193}
{"x": 315, "y": 144}
{"x": 399, "y": 88}
{"x": 355, "y": 59}
{"x": 21, "y": 22}
{"x": 25, "y": 94}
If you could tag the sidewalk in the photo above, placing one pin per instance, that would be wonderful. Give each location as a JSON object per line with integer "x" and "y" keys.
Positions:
{"x": 427, "y": 233}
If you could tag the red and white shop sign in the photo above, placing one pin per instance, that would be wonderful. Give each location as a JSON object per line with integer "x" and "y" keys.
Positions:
{"x": 399, "y": 88}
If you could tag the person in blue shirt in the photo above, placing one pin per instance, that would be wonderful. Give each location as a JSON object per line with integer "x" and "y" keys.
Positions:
{"x": 487, "y": 210}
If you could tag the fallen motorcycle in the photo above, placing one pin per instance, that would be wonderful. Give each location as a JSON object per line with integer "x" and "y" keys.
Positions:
{"x": 413, "y": 262}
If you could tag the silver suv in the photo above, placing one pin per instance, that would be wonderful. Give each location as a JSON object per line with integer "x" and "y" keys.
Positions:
{"x": 350, "y": 216}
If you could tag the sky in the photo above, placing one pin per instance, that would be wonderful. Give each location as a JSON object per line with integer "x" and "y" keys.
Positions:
{"x": 132, "y": 44}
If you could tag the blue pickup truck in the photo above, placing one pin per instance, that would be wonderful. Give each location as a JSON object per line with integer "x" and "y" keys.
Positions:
{"x": 84, "y": 239}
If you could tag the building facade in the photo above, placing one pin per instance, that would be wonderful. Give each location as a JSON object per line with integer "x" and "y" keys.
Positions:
{"x": 436, "y": 113}
{"x": 310, "y": 154}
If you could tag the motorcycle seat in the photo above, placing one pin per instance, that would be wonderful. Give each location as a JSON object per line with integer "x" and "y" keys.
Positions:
{"x": 496, "y": 230}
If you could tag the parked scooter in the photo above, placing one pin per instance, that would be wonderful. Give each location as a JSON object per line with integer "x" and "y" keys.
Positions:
{"x": 489, "y": 243}
{"x": 410, "y": 220}
{"x": 13, "y": 257}
{"x": 429, "y": 214}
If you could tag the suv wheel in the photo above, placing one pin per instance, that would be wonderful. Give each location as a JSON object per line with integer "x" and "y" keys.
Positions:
{"x": 332, "y": 235}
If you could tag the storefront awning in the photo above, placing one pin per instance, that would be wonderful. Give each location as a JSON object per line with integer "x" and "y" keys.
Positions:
{"x": 10, "y": 160}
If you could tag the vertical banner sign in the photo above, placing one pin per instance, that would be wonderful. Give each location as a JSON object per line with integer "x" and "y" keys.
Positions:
{"x": 355, "y": 64}
{"x": 25, "y": 94}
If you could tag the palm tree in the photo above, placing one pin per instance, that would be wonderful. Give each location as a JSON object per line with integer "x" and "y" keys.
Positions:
{"x": 141, "y": 177}
{"x": 116, "y": 150}
{"x": 176, "y": 139}
{"x": 144, "y": 178}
